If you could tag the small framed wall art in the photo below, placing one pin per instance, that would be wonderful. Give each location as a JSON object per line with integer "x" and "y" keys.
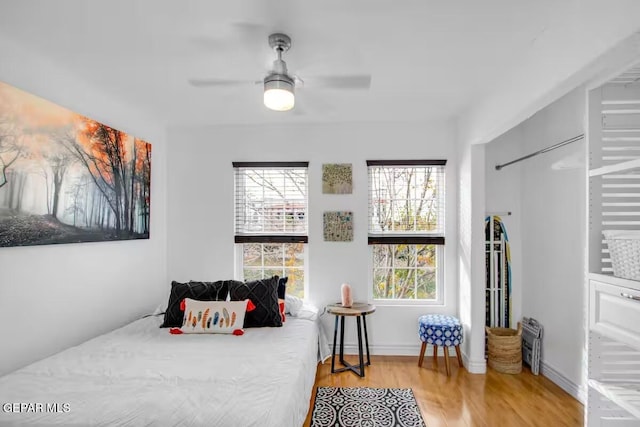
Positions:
{"x": 338, "y": 226}
{"x": 337, "y": 178}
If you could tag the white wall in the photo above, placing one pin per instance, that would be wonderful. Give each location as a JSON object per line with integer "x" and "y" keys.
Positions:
{"x": 470, "y": 256}
{"x": 503, "y": 194}
{"x": 200, "y": 212}
{"x": 553, "y": 224}
{"x": 56, "y": 296}
{"x": 547, "y": 196}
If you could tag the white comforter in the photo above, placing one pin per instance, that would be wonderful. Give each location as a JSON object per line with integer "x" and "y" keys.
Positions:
{"x": 141, "y": 375}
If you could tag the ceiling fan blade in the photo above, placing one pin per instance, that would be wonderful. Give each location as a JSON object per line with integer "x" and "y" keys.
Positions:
{"x": 221, "y": 82}
{"x": 356, "y": 81}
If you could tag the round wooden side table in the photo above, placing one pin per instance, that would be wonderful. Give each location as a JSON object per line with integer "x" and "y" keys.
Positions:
{"x": 360, "y": 311}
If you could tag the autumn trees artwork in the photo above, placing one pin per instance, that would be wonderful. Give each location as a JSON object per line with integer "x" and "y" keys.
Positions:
{"x": 65, "y": 178}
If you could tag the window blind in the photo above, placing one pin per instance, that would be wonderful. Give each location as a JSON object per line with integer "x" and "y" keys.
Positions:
{"x": 619, "y": 201}
{"x": 271, "y": 202}
{"x": 406, "y": 201}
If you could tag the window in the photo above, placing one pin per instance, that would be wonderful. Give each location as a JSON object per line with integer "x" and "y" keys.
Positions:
{"x": 271, "y": 221}
{"x": 406, "y": 228}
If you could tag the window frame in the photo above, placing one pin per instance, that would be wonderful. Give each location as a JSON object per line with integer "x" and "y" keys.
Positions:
{"x": 409, "y": 238}
{"x": 269, "y": 237}
{"x": 238, "y": 271}
{"x": 438, "y": 301}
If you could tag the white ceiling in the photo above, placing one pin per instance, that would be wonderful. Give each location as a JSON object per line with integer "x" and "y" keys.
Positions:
{"x": 429, "y": 60}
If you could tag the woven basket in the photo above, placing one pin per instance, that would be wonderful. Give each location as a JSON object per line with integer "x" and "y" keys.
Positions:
{"x": 505, "y": 349}
{"x": 624, "y": 249}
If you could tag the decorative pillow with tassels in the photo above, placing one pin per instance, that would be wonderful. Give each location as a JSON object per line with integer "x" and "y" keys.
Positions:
{"x": 213, "y": 317}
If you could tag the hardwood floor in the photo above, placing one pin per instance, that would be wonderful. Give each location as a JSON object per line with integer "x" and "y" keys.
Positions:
{"x": 464, "y": 399}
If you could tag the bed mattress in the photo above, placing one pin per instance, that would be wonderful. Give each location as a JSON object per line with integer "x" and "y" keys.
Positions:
{"x": 140, "y": 375}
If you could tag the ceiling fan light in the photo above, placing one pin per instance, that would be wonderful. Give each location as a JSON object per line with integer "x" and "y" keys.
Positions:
{"x": 278, "y": 93}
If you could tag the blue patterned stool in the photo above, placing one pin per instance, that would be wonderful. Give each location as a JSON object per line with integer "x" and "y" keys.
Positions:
{"x": 440, "y": 330}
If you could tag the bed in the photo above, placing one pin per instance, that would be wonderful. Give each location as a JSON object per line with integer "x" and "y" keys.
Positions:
{"x": 141, "y": 375}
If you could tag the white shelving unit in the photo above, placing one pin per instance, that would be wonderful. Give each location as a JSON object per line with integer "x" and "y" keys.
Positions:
{"x": 625, "y": 395}
{"x": 614, "y": 204}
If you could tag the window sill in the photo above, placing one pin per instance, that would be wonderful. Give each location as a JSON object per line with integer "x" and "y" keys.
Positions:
{"x": 407, "y": 303}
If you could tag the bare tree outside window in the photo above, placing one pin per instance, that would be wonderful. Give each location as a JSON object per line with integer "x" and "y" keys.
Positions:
{"x": 405, "y": 201}
{"x": 271, "y": 202}
{"x": 274, "y": 201}
{"x": 263, "y": 260}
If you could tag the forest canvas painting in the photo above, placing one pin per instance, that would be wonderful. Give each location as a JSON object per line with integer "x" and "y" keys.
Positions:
{"x": 65, "y": 178}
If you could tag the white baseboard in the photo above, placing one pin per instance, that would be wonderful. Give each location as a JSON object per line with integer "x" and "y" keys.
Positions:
{"x": 395, "y": 350}
{"x": 384, "y": 350}
{"x": 474, "y": 366}
{"x": 578, "y": 392}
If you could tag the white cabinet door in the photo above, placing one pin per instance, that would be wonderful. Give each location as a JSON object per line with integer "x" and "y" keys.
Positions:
{"x": 615, "y": 312}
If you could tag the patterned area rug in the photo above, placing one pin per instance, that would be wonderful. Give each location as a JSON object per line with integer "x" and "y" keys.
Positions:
{"x": 365, "y": 407}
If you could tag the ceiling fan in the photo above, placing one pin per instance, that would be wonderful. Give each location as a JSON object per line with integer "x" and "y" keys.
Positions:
{"x": 279, "y": 85}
